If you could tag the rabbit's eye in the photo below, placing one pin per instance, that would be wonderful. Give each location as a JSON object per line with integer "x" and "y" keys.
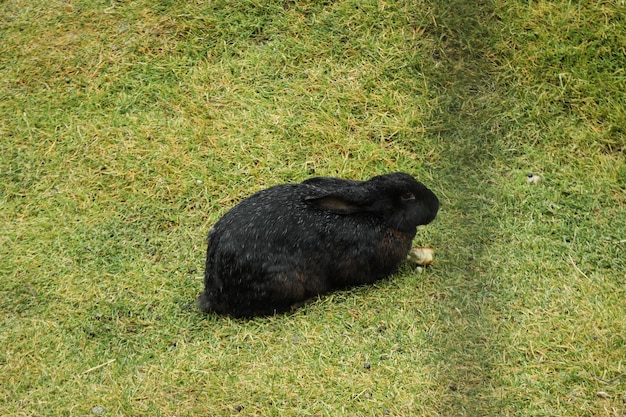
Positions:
{"x": 407, "y": 196}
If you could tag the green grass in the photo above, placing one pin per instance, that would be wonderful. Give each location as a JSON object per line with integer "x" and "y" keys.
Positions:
{"x": 128, "y": 128}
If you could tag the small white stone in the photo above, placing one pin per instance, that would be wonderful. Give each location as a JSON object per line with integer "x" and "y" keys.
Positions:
{"x": 98, "y": 410}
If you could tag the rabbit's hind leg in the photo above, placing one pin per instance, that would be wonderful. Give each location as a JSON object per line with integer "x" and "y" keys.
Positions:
{"x": 286, "y": 282}
{"x": 284, "y": 288}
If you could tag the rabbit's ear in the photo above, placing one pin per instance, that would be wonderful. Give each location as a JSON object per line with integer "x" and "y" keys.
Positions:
{"x": 337, "y": 195}
{"x": 330, "y": 184}
{"x": 334, "y": 204}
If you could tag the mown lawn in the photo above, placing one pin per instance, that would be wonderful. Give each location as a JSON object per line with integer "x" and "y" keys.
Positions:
{"x": 128, "y": 127}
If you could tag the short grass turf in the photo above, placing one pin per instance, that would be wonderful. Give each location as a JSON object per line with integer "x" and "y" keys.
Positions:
{"x": 128, "y": 127}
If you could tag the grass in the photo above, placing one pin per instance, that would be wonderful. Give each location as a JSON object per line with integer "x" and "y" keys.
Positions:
{"x": 128, "y": 128}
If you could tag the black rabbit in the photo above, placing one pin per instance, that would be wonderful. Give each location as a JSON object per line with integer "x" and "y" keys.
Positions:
{"x": 290, "y": 242}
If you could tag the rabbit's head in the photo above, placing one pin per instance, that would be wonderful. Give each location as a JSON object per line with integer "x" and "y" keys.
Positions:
{"x": 399, "y": 200}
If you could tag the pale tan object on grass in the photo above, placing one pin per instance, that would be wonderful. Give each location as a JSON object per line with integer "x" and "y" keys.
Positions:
{"x": 421, "y": 256}
{"x": 533, "y": 178}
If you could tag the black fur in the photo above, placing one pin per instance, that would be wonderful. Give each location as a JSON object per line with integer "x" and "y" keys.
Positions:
{"x": 290, "y": 242}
